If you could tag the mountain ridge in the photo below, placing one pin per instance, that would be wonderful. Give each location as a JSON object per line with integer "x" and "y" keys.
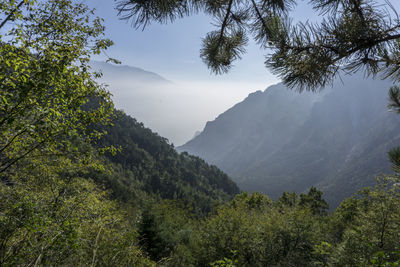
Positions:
{"x": 279, "y": 140}
{"x": 141, "y": 75}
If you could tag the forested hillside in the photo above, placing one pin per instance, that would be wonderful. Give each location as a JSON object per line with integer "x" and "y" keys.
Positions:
{"x": 155, "y": 167}
{"x": 280, "y": 140}
{"x": 82, "y": 184}
{"x": 79, "y": 181}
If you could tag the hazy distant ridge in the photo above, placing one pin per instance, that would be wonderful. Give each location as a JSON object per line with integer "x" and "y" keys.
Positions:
{"x": 279, "y": 140}
{"x": 113, "y": 71}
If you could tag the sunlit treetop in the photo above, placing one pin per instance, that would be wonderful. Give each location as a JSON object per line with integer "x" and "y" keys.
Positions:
{"x": 46, "y": 82}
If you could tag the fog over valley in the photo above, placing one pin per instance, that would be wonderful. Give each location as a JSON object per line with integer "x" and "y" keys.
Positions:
{"x": 174, "y": 109}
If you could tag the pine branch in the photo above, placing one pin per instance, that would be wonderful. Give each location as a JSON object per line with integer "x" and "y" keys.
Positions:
{"x": 259, "y": 15}
{"x": 225, "y": 22}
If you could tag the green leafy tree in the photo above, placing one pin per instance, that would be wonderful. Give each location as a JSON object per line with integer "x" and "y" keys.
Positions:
{"x": 163, "y": 226}
{"x": 51, "y": 212}
{"x": 313, "y": 199}
{"x": 251, "y": 231}
{"x": 288, "y": 199}
{"x": 51, "y": 215}
{"x": 372, "y": 234}
{"x": 45, "y": 47}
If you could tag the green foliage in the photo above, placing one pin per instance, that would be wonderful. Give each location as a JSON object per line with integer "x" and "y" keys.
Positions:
{"x": 313, "y": 199}
{"x": 394, "y": 105}
{"x": 288, "y": 199}
{"x": 353, "y": 35}
{"x": 169, "y": 209}
{"x": 394, "y": 156}
{"x": 52, "y": 114}
{"x": 220, "y": 51}
{"x": 51, "y": 213}
{"x": 51, "y": 216}
{"x": 394, "y": 97}
{"x": 45, "y": 79}
{"x": 162, "y": 227}
{"x": 148, "y": 162}
{"x": 374, "y": 228}
{"x": 251, "y": 230}
{"x": 225, "y": 262}
{"x": 254, "y": 232}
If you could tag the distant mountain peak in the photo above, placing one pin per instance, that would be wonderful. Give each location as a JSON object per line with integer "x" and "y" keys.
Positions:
{"x": 110, "y": 69}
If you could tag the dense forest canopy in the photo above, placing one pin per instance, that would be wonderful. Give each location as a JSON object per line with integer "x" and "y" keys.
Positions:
{"x": 83, "y": 184}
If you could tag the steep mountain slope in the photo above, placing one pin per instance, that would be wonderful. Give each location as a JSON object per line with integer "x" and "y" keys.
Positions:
{"x": 147, "y": 162}
{"x": 244, "y": 133}
{"x": 279, "y": 140}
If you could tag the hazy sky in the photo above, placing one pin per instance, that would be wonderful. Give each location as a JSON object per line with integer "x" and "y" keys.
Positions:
{"x": 173, "y": 52}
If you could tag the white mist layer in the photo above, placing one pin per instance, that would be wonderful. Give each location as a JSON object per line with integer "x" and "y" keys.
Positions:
{"x": 177, "y": 110}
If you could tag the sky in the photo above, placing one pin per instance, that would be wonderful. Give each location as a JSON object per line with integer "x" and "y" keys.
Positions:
{"x": 172, "y": 51}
